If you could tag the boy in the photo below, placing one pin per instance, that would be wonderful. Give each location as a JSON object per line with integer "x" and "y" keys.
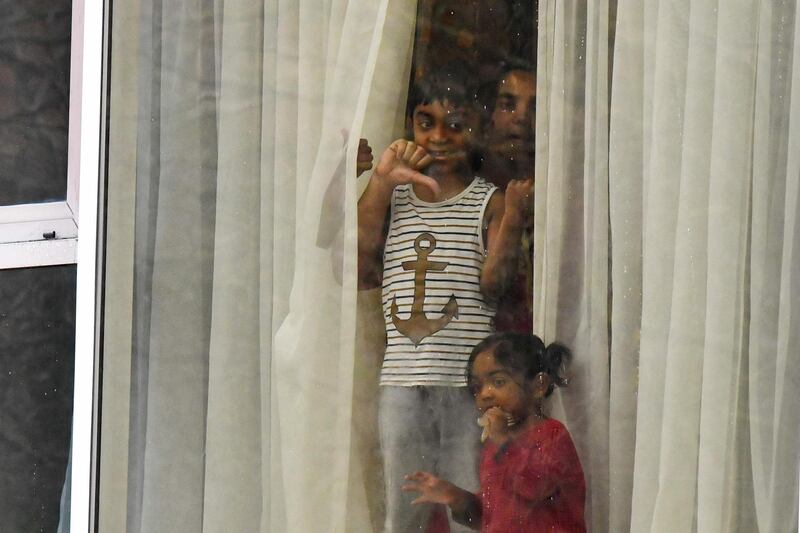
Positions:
{"x": 509, "y": 155}
{"x": 443, "y": 245}
{"x": 510, "y": 136}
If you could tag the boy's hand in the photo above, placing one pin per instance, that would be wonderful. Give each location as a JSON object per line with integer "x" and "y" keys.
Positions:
{"x": 364, "y": 159}
{"x": 519, "y": 201}
{"x": 495, "y": 423}
{"x": 400, "y": 164}
{"x": 431, "y": 489}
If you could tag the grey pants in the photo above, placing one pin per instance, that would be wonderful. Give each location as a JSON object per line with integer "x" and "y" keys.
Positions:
{"x": 426, "y": 428}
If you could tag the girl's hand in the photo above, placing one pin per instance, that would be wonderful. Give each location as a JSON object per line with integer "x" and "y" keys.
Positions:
{"x": 496, "y": 424}
{"x": 431, "y": 489}
{"x": 519, "y": 201}
{"x": 400, "y": 164}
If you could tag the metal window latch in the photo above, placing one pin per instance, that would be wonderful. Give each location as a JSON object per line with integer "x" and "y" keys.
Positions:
{"x": 49, "y": 235}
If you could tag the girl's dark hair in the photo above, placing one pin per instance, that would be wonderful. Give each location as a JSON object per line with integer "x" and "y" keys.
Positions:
{"x": 526, "y": 354}
{"x": 453, "y": 83}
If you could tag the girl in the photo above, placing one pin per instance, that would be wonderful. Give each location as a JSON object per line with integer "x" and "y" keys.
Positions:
{"x": 531, "y": 477}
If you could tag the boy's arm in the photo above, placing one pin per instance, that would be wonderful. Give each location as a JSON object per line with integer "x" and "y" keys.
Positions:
{"x": 398, "y": 165}
{"x": 504, "y": 221}
{"x": 373, "y": 213}
{"x": 465, "y": 506}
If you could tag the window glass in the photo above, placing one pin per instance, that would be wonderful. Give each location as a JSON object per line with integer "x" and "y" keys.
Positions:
{"x": 317, "y": 214}
{"x": 37, "y": 340}
{"x": 34, "y": 100}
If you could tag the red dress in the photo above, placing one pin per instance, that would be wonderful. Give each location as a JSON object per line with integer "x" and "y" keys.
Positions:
{"x": 533, "y": 484}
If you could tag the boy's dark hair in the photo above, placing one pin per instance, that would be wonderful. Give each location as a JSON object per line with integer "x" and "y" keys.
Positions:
{"x": 514, "y": 63}
{"x": 526, "y": 354}
{"x": 453, "y": 83}
{"x": 488, "y": 91}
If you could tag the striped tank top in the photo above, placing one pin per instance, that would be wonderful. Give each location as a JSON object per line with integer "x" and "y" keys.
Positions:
{"x": 432, "y": 302}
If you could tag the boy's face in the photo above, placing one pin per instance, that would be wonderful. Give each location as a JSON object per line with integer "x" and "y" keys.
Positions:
{"x": 446, "y": 133}
{"x": 514, "y": 116}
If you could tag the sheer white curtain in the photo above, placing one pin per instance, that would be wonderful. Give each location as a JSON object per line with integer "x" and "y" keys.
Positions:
{"x": 232, "y": 403}
{"x": 667, "y": 202}
{"x": 571, "y": 232}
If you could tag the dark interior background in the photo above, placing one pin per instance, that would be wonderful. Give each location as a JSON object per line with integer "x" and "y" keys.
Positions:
{"x": 34, "y": 100}
{"x": 480, "y": 33}
{"x": 37, "y": 305}
{"x": 37, "y": 354}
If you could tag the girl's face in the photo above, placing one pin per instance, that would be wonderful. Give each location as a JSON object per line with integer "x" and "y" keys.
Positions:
{"x": 494, "y": 385}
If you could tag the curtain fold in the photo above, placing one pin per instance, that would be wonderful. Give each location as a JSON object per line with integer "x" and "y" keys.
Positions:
{"x": 773, "y": 342}
{"x": 625, "y": 257}
{"x": 571, "y": 273}
{"x": 720, "y": 486}
{"x": 173, "y": 270}
{"x": 234, "y": 465}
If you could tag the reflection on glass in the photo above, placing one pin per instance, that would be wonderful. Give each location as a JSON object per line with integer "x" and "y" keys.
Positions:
{"x": 34, "y": 100}
{"x": 37, "y": 339}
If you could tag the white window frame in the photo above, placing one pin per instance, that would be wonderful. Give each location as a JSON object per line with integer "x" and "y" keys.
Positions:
{"x": 58, "y": 233}
{"x": 46, "y": 233}
{"x": 86, "y": 166}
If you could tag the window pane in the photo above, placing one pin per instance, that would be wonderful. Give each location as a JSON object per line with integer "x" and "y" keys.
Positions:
{"x": 248, "y": 386}
{"x": 34, "y": 100}
{"x": 37, "y": 341}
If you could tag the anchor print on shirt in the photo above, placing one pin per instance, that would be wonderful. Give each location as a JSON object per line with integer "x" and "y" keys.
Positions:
{"x": 418, "y": 326}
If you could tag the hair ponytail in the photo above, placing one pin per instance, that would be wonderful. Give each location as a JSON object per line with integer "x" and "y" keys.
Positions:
{"x": 554, "y": 360}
